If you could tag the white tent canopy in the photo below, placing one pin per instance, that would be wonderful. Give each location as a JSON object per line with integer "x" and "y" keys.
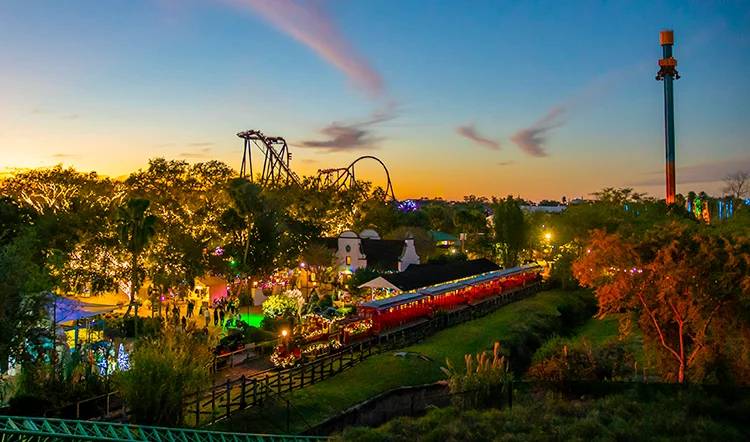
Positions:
{"x": 64, "y": 309}
{"x": 379, "y": 283}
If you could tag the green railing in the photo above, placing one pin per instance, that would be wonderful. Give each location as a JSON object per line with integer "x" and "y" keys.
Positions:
{"x": 19, "y": 428}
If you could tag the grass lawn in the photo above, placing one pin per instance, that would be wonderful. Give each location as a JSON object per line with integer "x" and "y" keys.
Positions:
{"x": 253, "y": 319}
{"x": 384, "y": 372}
{"x": 599, "y": 331}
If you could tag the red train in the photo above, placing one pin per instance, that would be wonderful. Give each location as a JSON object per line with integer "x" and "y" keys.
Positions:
{"x": 383, "y": 315}
{"x": 403, "y": 309}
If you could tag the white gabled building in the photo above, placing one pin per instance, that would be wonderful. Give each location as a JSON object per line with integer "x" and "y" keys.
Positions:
{"x": 356, "y": 251}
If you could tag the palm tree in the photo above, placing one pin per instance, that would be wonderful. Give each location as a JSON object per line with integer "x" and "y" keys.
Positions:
{"x": 135, "y": 229}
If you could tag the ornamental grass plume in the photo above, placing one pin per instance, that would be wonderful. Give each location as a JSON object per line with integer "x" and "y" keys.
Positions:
{"x": 482, "y": 383}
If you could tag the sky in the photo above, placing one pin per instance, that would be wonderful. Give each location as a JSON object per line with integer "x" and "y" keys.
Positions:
{"x": 540, "y": 99}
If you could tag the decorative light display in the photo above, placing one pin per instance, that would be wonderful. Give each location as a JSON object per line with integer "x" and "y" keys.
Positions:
{"x": 218, "y": 251}
{"x": 281, "y": 358}
{"x": 358, "y": 328}
{"x": 107, "y": 361}
{"x": 314, "y": 326}
{"x": 408, "y": 206}
{"x": 123, "y": 358}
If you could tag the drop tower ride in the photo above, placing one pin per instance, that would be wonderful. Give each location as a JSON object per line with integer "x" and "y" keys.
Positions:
{"x": 668, "y": 73}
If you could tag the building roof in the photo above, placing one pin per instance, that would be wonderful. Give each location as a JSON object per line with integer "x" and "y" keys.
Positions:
{"x": 447, "y": 286}
{"x": 382, "y": 254}
{"x": 442, "y": 236}
{"x": 331, "y": 243}
{"x": 424, "y": 275}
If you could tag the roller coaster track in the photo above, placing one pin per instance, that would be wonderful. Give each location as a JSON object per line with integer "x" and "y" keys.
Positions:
{"x": 277, "y": 171}
{"x": 276, "y": 159}
{"x": 33, "y": 429}
{"x": 345, "y": 178}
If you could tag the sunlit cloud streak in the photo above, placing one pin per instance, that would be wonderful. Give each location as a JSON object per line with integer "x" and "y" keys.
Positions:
{"x": 505, "y": 163}
{"x": 311, "y": 25}
{"x": 532, "y": 140}
{"x": 200, "y": 153}
{"x": 470, "y": 132}
{"x": 351, "y": 136}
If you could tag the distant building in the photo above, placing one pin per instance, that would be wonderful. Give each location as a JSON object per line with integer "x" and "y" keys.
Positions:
{"x": 367, "y": 250}
{"x": 544, "y": 209}
{"x": 444, "y": 240}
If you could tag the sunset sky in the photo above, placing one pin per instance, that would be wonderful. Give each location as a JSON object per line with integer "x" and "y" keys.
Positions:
{"x": 537, "y": 99}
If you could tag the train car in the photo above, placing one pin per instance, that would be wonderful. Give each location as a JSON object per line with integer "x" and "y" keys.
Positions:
{"x": 408, "y": 308}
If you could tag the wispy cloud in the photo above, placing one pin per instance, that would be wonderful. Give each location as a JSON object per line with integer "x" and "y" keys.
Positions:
{"x": 351, "y": 136}
{"x": 44, "y": 111}
{"x": 470, "y": 132}
{"x": 308, "y": 161}
{"x": 201, "y": 144}
{"x": 505, "y": 163}
{"x": 706, "y": 172}
{"x": 64, "y": 156}
{"x": 198, "y": 154}
{"x": 311, "y": 25}
{"x": 532, "y": 140}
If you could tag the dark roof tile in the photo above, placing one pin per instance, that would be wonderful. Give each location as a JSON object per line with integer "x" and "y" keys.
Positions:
{"x": 424, "y": 275}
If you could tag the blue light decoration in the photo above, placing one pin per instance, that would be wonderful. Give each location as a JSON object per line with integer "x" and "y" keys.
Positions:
{"x": 407, "y": 206}
{"x": 107, "y": 363}
{"x": 123, "y": 358}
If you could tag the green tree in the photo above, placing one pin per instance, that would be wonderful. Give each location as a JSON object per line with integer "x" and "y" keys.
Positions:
{"x": 23, "y": 292}
{"x": 136, "y": 228}
{"x": 510, "y": 230}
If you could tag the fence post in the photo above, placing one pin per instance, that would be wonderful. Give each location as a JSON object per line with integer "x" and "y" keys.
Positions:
{"x": 291, "y": 380}
{"x": 302, "y": 376}
{"x": 213, "y": 400}
{"x": 266, "y": 389}
{"x": 78, "y": 410}
{"x": 229, "y": 399}
{"x": 243, "y": 401}
{"x": 198, "y": 408}
{"x": 255, "y": 392}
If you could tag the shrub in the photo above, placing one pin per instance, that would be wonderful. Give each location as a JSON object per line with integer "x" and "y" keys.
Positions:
{"x": 560, "y": 360}
{"x": 254, "y": 334}
{"x": 279, "y": 306}
{"x": 680, "y": 416}
{"x": 162, "y": 372}
{"x": 535, "y": 326}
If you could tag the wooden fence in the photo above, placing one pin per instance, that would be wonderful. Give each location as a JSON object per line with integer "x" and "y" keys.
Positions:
{"x": 222, "y": 400}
